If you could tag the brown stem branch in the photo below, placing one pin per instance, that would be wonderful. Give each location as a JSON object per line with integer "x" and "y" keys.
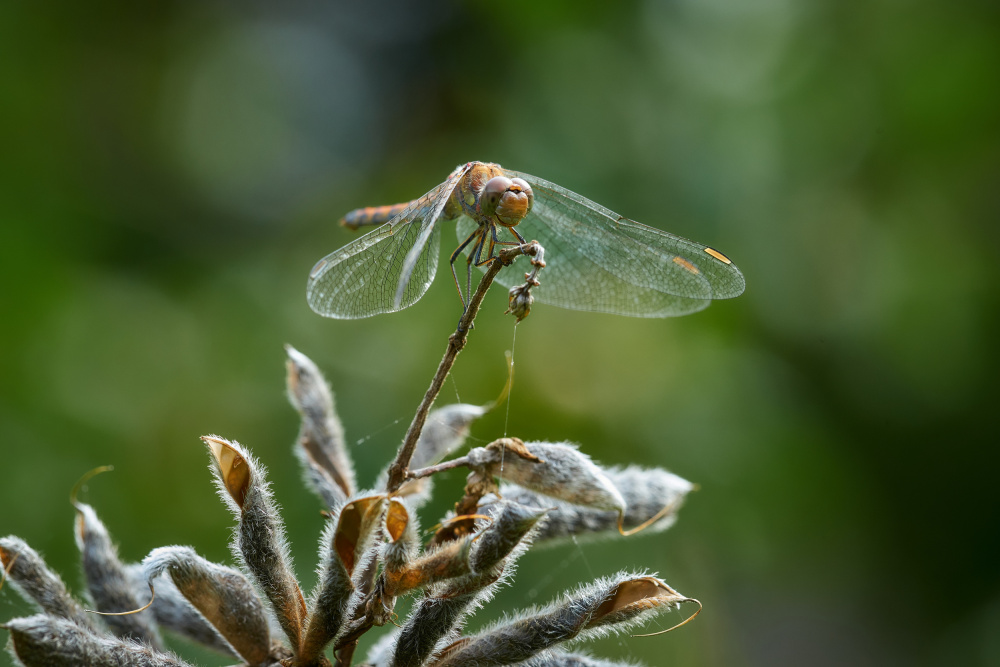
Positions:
{"x": 397, "y": 471}
{"x": 440, "y": 467}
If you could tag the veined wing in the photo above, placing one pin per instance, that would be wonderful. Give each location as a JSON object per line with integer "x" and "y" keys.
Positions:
{"x": 387, "y": 269}
{"x": 600, "y": 261}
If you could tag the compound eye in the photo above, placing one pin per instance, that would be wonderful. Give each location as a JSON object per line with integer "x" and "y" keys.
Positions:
{"x": 495, "y": 187}
{"x": 526, "y": 189}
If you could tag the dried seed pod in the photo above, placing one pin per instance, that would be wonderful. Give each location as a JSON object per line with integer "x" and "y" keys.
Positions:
{"x": 446, "y": 562}
{"x": 47, "y": 641}
{"x": 436, "y": 617}
{"x": 28, "y": 573}
{"x": 342, "y": 549}
{"x": 559, "y": 659}
{"x": 512, "y": 523}
{"x": 611, "y": 604}
{"x": 564, "y": 472}
{"x": 173, "y": 612}
{"x": 108, "y": 581}
{"x": 259, "y": 541}
{"x": 650, "y": 494}
{"x": 320, "y": 446}
{"x": 221, "y": 594}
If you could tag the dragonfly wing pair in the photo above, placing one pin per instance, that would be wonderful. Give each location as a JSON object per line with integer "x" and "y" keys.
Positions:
{"x": 597, "y": 260}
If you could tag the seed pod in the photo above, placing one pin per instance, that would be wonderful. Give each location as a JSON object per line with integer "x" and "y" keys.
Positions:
{"x": 559, "y": 659}
{"x": 221, "y": 594}
{"x": 647, "y": 494}
{"x": 436, "y": 617}
{"x": 563, "y": 472}
{"x": 512, "y": 522}
{"x": 108, "y": 581}
{"x": 342, "y": 548}
{"x": 173, "y": 612}
{"x": 47, "y": 641}
{"x": 611, "y": 604}
{"x": 259, "y": 542}
{"x": 28, "y": 573}
{"x": 446, "y": 562}
{"x": 320, "y": 446}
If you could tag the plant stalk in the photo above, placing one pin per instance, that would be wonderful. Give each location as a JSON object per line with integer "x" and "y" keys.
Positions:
{"x": 398, "y": 469}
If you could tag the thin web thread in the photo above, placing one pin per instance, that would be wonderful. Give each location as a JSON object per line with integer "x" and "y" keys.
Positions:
{"x": 361, "y": 441}
{"x": 506, "y": 418}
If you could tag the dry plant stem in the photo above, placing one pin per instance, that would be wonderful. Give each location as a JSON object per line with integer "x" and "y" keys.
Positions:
{"x": 440, "y": 467}
{"x": 397, "y": 471}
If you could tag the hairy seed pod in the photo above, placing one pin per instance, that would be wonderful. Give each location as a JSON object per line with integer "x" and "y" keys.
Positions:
{"x": 46, "y": 641}
{"x": 342, "y": 548}
{"x": 649, "y": 494}
{"x": 320, "y": 446}
{"x": 174, "y": 613}
{"x": 558, "y": 659}
{"x": 564, "y": 472}
{"x": 436, "y": 617}
{"x": 259, "y": 541}
{"x": 109, "y": 583}
{"x": 221, "y": 594}
{"x": 610, "y": 604}
{"x": 32, "y": 578}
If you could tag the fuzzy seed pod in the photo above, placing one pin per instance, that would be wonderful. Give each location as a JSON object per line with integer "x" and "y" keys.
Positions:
{"x": 647, "y": 493}
{"x": 436, "y": 617}
{"x": 611, "y": 604}
{"x": 173, "y": 612}
{"x": 564, "y": 472}
{"x": 320, "y": 446}
{"x": 558, "y": 659}
{"x": 259, "y": 541}
{"x": 46, "y": 641}
{"x": 221, "y": 594}
{"x": 512, "y": 522}
{"x": 446, "y": 562}
{"x": 108, "y": 581}
{"x": 29, "y": 574}
{"x": 342, "y": 547}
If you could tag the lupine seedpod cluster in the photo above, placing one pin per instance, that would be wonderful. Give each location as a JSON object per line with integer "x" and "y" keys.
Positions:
{"x": 371, "y": 554}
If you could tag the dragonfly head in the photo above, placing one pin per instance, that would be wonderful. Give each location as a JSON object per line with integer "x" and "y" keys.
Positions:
{"x": 509, "y": 199}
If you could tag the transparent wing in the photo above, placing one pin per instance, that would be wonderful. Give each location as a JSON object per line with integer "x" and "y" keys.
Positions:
{"x": 387, "y": 269}
{"x": 597, "y": 260}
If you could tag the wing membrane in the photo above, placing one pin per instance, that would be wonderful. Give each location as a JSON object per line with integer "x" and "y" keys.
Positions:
{"x": 600, "y": 261}
{"x": 387, "y": 269}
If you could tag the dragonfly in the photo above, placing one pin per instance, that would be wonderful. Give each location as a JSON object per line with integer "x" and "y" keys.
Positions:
{"x": 595, "y": 259}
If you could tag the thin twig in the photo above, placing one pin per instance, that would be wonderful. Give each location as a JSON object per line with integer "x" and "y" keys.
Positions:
{"x": 397, "y": 471}
{"x": 440, "y": 467}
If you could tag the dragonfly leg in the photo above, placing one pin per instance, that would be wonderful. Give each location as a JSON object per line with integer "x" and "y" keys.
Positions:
{"x": 454, "y": 256}
{"x": 477, "y": 254}
{"x": 497, "y": 241}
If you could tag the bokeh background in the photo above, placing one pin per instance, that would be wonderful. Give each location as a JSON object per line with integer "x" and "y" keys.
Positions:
{"x": 171, "y": 171}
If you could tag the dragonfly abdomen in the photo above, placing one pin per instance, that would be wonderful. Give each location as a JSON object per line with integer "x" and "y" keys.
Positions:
{"x": 372, "y": 215}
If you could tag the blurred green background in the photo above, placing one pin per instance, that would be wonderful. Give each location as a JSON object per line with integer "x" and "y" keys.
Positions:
{"x": 171, "y": 171}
